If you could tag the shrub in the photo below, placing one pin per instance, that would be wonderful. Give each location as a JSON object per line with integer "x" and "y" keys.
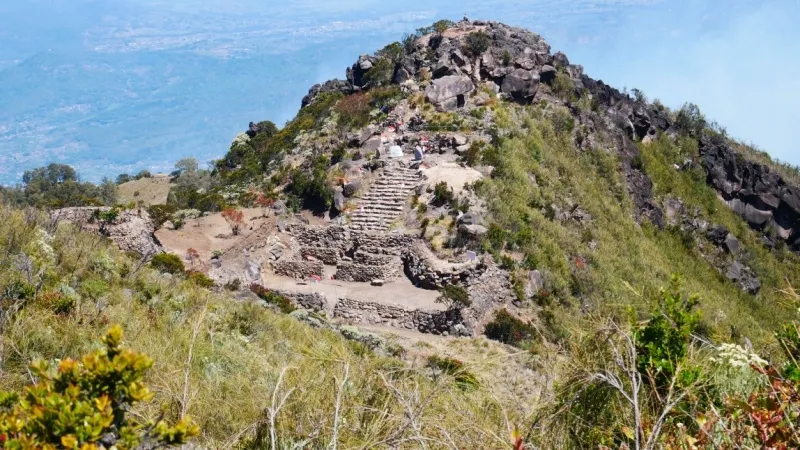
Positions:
{"x": 506, "y": 58}
{"x": 235, "y": 219}
{"x": 144, "y": 174}
{"x": 454, "y": 297}
{"x": 161, "y": 214}
{"x": 477, "y": 43}
{"x": 233, "y": 285}
{"x": 310, "y": 187}
{"x": 455, "y": 368}
{"x": 168, "y": 263}
{"x": 200, "y": 279}
{"x": 284, "y": 304}
{"x": 86, "y": 402}
{"x": 442, "y": 194}
{"x": 563, "y": 86}
{"x": 380, "y": 74}
{"x": 663, "y": 342}
{"x": 508, "y": 329}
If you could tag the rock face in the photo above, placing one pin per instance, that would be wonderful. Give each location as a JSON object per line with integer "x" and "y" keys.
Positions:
{"x": 449, "y": 92}
{"x": 520, "y": 84}
{"x": 760, "y": 197}
{"x": 132, "y": 230}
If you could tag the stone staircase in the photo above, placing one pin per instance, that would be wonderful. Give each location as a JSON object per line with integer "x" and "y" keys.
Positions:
{"x": 385, "y": 200}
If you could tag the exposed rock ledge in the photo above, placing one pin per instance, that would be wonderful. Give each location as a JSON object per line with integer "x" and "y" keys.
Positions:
{"x": 132, "y": 230}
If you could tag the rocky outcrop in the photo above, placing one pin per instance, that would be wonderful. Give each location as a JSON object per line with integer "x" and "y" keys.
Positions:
{"x": 131, "y": 230}
{"x": 449, "y": 92}
{"x": 762, "y": 198}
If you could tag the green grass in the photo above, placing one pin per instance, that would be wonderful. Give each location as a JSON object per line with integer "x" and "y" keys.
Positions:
{"x": 629, "y": 259}
{"x": 222, "y": 357}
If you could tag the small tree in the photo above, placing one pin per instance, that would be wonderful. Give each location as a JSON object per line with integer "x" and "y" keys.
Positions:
{"x": 265, "y": 203}
{"x": 235, "y": 219}
{"x": 454, "y": 297}
{"x": 84, "y": 405}
{"x": 192, "y": 255}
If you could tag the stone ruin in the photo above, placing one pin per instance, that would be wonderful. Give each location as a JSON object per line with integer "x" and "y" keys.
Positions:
{"x": 359, "y": 256}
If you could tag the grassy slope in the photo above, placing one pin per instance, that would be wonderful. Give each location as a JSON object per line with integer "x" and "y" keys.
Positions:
{"x": 151, "y": 191}
{"x": 627, "y": 255}
{"x": 238, "y": 350}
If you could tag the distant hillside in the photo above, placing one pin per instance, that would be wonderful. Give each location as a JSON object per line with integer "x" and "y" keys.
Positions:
{"x": 150, "y": 191}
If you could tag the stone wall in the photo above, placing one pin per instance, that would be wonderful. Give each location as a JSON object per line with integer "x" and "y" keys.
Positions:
{"x": 299, "y": 269}
{"x": 328, "y": 255}
{"x": 382, "y": 243}
{"x": 427, "y": 272}
{"x": 353, "y": 271}
{"x": 434, "y": 322}
{"x": 314, "y": 301}
{"x": 326, "y": 237}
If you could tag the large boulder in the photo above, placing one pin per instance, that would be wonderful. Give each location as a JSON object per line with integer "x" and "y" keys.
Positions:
{"x": 520, "y": 84}
{"x": 449, "y": 92}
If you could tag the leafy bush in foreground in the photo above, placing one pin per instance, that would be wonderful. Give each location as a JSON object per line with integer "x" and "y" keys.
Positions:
{"x": 84, "y": 404}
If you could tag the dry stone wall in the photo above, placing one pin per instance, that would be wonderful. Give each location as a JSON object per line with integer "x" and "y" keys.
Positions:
{"x": 426, "y": 272}
{"x": 299, "y": 269}
{"x": 448, "y": 323}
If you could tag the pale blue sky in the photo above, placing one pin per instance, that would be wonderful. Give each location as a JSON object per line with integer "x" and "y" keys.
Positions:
{"x": 119, "y": 85}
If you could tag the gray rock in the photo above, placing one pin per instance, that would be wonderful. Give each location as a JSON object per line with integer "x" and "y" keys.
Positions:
{"x": 449, "y": 92}
{"x": 520, "y": 84}
{"x": 350, "y": 189}
{"x": 276, "y": 252}
{"x": 547, "y": 74}
{"x": 732, "y": 245}
{"x": 470, "y": 218}
{"x": 459, "y": 139}
{"x": 253, "y": 270}
{"x": 474, "y": 231}
{"x": 535, "y": 283}
{"x": 525, "y": 63}
{"x": 338, "y": 200}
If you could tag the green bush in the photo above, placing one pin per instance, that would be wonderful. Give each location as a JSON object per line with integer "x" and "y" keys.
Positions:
{"x": 82, "y": 403}
{"x": 477, "y": 42}
{"x": 455, "y": 368}
{"x": 508, "y": 329}
{"x": 454, "y": 297}
{"x": 442, "y": 194}
{"x": 161, "y": 213}
{"x": 380, "y": 74}
{"x": 284, "y": 304}
{"x": 168, "y": 263}
{"x": 200, "y": 279}
{"x": 663, "y": 342}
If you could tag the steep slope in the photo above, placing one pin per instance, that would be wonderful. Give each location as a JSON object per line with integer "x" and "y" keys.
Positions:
{"x": 592, "y": 198}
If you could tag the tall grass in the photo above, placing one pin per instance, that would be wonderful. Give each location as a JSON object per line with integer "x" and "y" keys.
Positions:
{"x": 224, "y": 361}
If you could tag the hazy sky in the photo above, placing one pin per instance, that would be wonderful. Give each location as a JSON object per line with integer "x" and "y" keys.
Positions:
{"x": 117, "y": 85}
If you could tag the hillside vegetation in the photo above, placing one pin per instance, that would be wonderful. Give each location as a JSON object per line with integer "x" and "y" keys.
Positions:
{"x": 651, "y": 259}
